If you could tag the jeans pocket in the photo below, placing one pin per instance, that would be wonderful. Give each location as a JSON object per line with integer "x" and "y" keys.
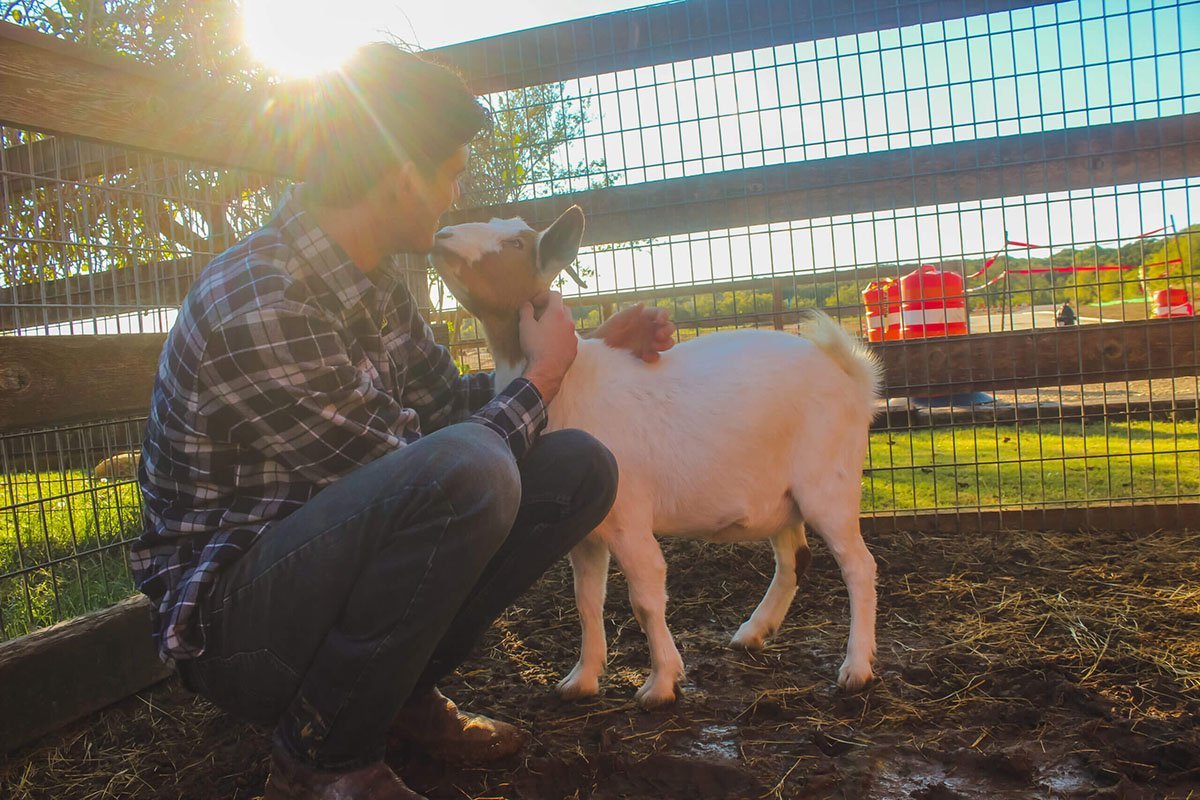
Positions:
{"x": 254, "y": 685}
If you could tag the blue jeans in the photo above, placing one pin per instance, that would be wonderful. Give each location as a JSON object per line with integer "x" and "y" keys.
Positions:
{"x": 382, "y": 583}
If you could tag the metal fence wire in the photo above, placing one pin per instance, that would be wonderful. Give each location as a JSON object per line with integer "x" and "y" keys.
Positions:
{"x": 738, "y": 173}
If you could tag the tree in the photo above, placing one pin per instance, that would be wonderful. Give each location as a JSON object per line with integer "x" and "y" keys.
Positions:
{"x": 129, "y": 208}
{"x": 529, "y": 151}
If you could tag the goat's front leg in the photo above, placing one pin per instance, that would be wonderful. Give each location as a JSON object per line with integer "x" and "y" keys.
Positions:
{"x": 641, "y": 559}
{"x": 589, "y": 563}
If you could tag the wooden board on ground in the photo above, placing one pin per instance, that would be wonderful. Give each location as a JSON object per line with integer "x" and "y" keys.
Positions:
{"x": 60, "y": 674}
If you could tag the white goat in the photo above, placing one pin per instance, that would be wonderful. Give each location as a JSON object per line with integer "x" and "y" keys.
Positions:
{"x": 122, "y": 465}
{"x": 734, "y": 436}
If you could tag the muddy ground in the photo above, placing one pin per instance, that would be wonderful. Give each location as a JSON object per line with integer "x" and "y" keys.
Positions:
{"x": 1011, "y": 665}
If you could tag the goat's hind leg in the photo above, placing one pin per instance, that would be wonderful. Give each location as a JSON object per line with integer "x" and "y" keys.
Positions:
{"x": 792, "y": 558}
{"x": 589, "y": 563}
{"x": 836, "y": 522}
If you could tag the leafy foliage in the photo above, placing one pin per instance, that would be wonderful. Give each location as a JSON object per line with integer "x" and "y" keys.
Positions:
{"x": 529, "y": 152}
{"x": 122, "y": 208}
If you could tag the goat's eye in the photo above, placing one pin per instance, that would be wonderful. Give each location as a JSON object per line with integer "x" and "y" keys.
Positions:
{"x": 517, "y": 243}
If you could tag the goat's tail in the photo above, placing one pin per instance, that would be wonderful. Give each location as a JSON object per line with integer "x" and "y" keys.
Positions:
{"x": 859, "y": 363}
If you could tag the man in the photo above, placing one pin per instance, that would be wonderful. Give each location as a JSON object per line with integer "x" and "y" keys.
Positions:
{"x": 1066, "y": 315}
{"x": 333, "y": 514}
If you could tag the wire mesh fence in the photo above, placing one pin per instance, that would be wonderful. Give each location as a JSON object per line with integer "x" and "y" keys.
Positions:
{"x": 98, "y": 240}
{"x": 66, "y": 521}
{"x": 1114, "y": 243}
{"x": 735, "y": 188}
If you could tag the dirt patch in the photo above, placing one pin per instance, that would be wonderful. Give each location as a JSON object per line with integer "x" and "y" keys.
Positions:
{"x": 1012, "y": 665}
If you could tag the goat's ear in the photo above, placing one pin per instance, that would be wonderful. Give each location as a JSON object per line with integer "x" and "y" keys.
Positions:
{"x": 558, "y": 245}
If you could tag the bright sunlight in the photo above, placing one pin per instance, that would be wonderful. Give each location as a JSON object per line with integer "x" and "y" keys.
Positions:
{"x": 296, "y": 38}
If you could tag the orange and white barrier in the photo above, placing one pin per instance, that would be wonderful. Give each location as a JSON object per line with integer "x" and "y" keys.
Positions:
{"x": 933, "y": 304}
{"x": 882, "y": 299}
{"x": 1172, "y": 302}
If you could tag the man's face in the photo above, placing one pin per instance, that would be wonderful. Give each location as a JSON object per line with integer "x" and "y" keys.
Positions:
{"x": 420, "y": 209}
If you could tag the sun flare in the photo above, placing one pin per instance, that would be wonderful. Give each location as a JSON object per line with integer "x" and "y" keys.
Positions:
{"x": 296, "y": 38}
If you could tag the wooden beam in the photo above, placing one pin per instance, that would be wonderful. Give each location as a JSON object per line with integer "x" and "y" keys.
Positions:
{"x": 49, "y": 380}
{"x": 60, "y": 674}
{"x": 1139, "y": 518}
{"x": 24, "y": 166}
{"x": 906, "y": 416}
{"x": 55, "y": 86}
{"x": 166, "y": 283}
{"x": 1083, "y": 354}
{"x": 162, "y": 284}
{"x": 669, "y": 32}
{"x": 1008, "y": 166}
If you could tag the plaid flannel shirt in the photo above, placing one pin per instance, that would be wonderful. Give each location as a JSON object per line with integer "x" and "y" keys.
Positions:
{"x": 287, "y": 368}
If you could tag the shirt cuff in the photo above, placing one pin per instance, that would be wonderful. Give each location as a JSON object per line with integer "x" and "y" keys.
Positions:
{"x": 518, "y": 414}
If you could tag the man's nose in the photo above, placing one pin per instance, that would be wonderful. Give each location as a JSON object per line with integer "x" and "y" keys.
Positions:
{"x": 443, "y": 234}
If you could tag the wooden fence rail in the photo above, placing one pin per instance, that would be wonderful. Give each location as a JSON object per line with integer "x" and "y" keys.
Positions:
{"x": 50, "y": 380}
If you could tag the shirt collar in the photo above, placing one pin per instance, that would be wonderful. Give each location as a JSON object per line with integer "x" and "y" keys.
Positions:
{"x": 324, "y": 259}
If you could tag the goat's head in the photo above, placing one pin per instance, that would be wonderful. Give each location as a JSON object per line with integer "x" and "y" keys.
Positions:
{"x": 494, "y": 267}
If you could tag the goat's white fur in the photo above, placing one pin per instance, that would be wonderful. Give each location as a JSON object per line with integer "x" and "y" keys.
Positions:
{"x": 732, "y": 436}
{"x": 473, "y": 240}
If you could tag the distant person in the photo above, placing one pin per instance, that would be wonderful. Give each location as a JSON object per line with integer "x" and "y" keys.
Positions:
{"x": 1066, "y": 315}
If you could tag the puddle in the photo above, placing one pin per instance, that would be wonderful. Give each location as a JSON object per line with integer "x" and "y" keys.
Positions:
{"x": 718, "y": 741}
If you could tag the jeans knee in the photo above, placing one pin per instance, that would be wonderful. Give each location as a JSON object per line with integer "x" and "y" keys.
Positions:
{"x": 483, "y": 476}
{"x": 587, "y": 463}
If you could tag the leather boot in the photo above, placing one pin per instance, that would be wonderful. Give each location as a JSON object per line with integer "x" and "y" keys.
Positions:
{"x": 432, "y": 722}
{"x": 292, "y": 779}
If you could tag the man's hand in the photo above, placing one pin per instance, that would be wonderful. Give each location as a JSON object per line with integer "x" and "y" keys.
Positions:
{"x": 548, "y": 342}
{"x": 645, "y": 332}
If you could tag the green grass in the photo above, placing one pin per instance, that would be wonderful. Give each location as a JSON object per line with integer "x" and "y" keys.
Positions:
{"x": 54, "y": 515}
{"x": 61, "y": 547}
{"x": 1032, "y": 464}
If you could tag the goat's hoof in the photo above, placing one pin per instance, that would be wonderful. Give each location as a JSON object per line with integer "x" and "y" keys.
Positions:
{"x": 578, "y": 686}
{"x": 853, "y": 677}
{"x": 655, "y": 695}
{"x": 749, "y": 639}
